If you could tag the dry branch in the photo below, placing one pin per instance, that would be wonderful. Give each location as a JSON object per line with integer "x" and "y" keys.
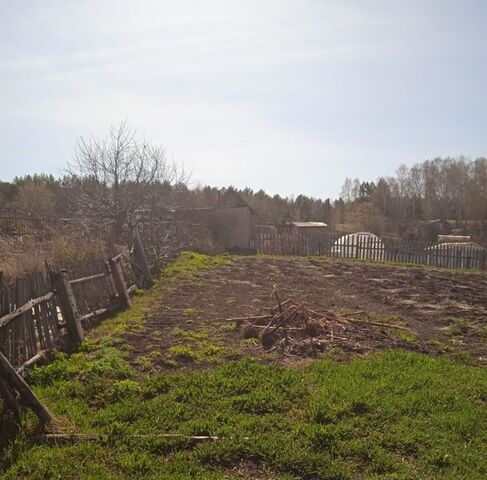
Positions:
{"x": 297, "y": 330}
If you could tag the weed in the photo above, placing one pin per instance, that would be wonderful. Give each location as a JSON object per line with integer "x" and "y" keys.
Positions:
{"x": 190, "y": 310}
{"x": 232, "y": 327}
{"x": 249, "y": 342}
{"x": 459, "y": 327}
{"x": 184, "y": 352}
{"x": 190, "y": 334}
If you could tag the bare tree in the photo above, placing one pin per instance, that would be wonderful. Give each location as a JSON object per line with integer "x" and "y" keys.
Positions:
{"x": 119, "y": 177}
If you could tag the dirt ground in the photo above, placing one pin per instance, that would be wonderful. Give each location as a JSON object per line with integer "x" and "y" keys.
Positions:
{"x": 445, "y": 310}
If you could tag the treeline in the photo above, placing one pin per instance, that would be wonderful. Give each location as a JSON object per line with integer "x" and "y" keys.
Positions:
{"x": 453, "y": 189}
{"x": 450, "y": 189}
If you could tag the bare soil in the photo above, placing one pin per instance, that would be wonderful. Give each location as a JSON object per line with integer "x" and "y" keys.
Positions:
{"x": 445, "y": 310}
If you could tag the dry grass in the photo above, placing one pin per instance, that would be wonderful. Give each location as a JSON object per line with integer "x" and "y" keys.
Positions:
{"x": 22, "y": 255}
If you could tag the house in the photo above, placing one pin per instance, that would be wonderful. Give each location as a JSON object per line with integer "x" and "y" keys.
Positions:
{"x": 429, "y": 230}
{"x": 231, "y": 221}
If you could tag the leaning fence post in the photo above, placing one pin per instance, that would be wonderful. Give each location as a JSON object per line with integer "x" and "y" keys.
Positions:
{"x": 140, "y": 257}
{"x": 69, "y": 310}
{"x": 14, "y": 381}
{"x": 119, "y": 281}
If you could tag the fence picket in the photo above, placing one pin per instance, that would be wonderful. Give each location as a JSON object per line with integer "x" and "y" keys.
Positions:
{"x": 285, "y": 241}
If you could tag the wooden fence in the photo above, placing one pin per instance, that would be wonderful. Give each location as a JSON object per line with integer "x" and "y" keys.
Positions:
{"x": 286, "y": 241}
{"x": 46, "y": 308}
{"x": 14, "y": 222}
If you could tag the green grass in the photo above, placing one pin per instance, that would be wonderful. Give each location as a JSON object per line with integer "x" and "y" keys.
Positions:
{"x": 396, "y": 415}
{"x": 188, "y": 264}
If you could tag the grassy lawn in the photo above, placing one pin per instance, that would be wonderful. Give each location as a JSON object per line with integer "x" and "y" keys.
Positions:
{"x": 393, "y": 415}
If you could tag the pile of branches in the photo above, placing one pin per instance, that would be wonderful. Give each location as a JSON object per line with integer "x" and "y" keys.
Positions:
{"x": 296, "y": 330}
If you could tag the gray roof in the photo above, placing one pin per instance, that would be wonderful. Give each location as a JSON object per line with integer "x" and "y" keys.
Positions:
{"x": 308, "y": 224}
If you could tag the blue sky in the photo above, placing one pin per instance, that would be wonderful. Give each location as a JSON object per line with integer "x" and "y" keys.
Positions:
{"x": 288, "y": 96}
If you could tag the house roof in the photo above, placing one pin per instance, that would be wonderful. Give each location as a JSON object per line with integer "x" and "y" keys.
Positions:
{"x": 308, "y": 224}
{"x": 240, "y": 202}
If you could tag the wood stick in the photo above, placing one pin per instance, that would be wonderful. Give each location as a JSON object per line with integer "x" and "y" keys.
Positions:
{"x": 88, "y": 437}
{"x": 10, "y": 400}
{"x": 282, "y": 328}
{"x": 292, "y": 311}
{"x": 275, "y": 292}
{"x": 41, "y": 356}
{"x": 118, "y": 257}
{"x": 282, "y": 304}
{"x": 87, "y": 279}
{"x": 378, "y": 324}
{"x": 96, "y": 313}
{"x": 16, "y": 382}
{"x": 24, "y": 308}
{"x": 243, "y": 319}
{"x": 69, "y": 308}
{"x": 119, "y": 281}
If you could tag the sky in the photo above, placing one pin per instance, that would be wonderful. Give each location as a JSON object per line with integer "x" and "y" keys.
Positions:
{"x": 289, "y": 96}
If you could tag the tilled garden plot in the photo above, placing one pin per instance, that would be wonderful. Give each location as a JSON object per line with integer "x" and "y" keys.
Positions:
{"x": 430, "y": 310}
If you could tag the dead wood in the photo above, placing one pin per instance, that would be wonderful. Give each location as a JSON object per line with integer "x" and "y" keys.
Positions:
{"x": 296, "y": 330}
{"x": 17, "y": 384}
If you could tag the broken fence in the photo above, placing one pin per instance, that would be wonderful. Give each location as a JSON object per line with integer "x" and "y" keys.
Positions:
{"x": 44, "y": 309}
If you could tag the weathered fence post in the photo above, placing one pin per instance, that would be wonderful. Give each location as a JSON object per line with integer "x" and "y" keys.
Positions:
{"x": 15, "y": 382}
{"x": 69, "y": 310}
{"x": 140, "y": 257}
{"x": 119, "y": 281}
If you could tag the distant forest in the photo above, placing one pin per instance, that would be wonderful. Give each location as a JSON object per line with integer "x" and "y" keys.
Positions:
{"x": 453, "y": 189}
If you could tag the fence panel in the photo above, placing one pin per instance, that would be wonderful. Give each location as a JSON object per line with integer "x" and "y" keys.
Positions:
{"x": 28, "y": 318}
{"x": 282, "y": 240}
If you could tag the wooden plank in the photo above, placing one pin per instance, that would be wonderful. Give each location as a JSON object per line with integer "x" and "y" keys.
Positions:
{"x": 119, "y": 281}
{"x": 78, "y": 281}
{"x": 24, "y": 308}
{"x": 96, "y": 313}
{"x": 16, "y": 382}
{"x": 69, "y": 309}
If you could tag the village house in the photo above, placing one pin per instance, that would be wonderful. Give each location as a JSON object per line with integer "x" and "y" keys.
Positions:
{"x": 231, "y": 221}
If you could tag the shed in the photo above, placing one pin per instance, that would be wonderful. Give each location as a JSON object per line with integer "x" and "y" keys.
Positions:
{"x": 307, "y": 236}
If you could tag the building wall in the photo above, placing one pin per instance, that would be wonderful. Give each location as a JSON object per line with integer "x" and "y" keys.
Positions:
{"x": 232, "y": 227}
